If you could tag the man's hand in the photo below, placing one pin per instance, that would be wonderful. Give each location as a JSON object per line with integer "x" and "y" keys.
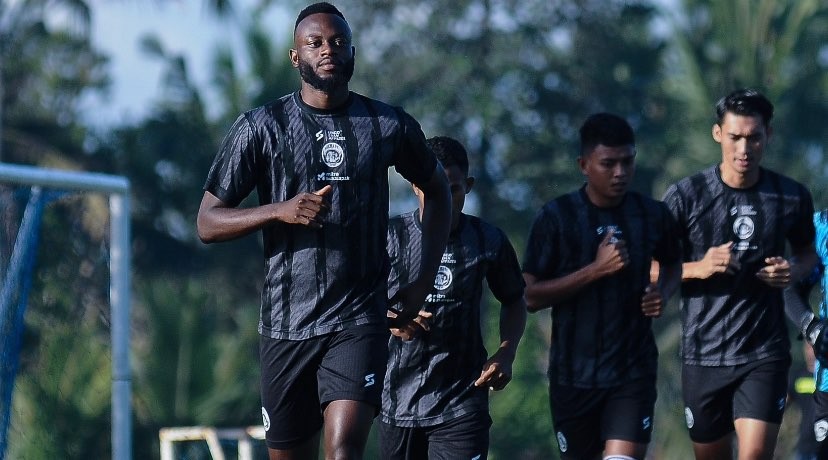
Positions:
{"x": 719, "y": 259}
{"x": 306, "y": 208}
{"x": 411, "y": 329}
{"x": 813, "y": 330}
{"x": 652, "y": 301}
{"x": 776, "y": 273}
{"x": 497, "y": 371}
{"x": 611, "y": 256}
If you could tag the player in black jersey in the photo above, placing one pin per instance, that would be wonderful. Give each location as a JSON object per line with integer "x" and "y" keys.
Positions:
{"x": 588, "y": 259}
{"x": 318, "y": 159}
{"x": 435, "y": 400}
{"x": 734, "y": 220}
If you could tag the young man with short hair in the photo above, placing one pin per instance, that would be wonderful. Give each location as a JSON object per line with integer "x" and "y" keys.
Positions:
{"x": 734, "y": 220}
{"x": 588, "y": 259}
{"x": 435, "y": 399}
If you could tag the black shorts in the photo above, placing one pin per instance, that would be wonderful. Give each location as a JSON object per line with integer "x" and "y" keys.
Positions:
{"x": 300, "y": 377}
{"x": 584, "y": 419}
{"x": 716, "y": 396}
{"x": 466, "y": 436}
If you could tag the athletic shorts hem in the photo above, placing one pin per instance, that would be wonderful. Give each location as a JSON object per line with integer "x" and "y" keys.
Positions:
{"x": 347, "y": 396}
{"x": 287, "y": 445}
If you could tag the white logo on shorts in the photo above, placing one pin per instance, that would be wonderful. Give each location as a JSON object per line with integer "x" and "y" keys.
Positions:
{"x": 688, "y": 417}
{"x": 821, "y": 430}
{"x": 645, "y": 424}
{"x": 781, "y": 404}
{"x": 369, "y": 380}
{"x": 265, "y": 419}
{"x": 562, "y": 442}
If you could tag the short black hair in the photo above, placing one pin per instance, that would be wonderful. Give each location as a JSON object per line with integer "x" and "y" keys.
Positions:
{"x": 321, "y": 7}
{"x": 605, "y": 129}
{"x": 449, "y": 152}
{"x": 746, "y": 102}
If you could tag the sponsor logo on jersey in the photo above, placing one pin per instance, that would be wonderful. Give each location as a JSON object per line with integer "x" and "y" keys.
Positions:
{"x": 369, "y": 380}
{"x": 562, "y": 445}
{"x": 617, "y": 234}
{"x": 688, "y": 417}
{"x": 821, "y": 430}
{"x": 265, "y": 419}
{"x": 443, "y": 279}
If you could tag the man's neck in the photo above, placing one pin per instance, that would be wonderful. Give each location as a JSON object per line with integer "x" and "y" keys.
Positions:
{"x": 737, "y": 180}
{"x": 324, "y": 100}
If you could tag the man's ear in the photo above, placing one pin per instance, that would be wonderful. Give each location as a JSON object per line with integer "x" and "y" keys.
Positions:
{"x": 469, "y": 183}
{"x": 582, "y": 164}
{"x": 717, "y": 133}
{"x": 294, "y": 57}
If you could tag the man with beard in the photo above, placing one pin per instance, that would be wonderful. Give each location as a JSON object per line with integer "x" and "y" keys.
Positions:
{"x": 318, "y": 159}
{"x": 734, "y": 221}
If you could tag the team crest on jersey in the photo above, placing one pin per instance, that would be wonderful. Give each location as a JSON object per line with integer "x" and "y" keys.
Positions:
{"x": 688, "y": 417}
{"x": 333, "y": 154}
{"x": 443, "y": 279}
{"x": 743, "y": 225}
{"x": 562, "y": 445}
{"x": 821, "y": 430}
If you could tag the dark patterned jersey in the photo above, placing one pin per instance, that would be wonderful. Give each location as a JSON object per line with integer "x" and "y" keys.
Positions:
{"x": 733, "y": 319}
{"x": 600, "y": 337}
{"x": 322, "y": 280}
{"x": 430, "y": 379}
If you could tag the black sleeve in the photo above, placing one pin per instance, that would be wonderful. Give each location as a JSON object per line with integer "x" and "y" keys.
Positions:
{"x": 413, "y": 159}
{"x": 233, "y": 174}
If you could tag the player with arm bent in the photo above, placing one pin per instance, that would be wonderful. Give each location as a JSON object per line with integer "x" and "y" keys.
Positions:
{"x": 318, "y": 159}
{"x": 734, "y": 219}
{"x": 435, "y": 399}
{"x": 588, "y": 259}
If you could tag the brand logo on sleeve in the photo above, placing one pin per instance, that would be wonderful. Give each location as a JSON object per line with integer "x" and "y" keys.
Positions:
{"x": 369, "y": 380}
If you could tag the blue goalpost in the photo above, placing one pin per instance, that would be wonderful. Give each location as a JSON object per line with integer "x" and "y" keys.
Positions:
{"x": 45, "y": 185}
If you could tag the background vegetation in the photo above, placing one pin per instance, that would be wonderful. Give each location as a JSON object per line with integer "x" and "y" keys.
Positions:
{"x": 513, "y": 79}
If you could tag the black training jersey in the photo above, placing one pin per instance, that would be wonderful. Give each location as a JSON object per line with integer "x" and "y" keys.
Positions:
{"x": 734, "y": 319}
{"x": 430, "y": 379}
{"x": 322, "y": 280}
{"x": 600, "y": 337}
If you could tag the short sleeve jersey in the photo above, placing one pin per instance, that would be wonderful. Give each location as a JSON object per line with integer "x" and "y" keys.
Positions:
{"x": 430, "y": 379}
{"x": 322, "y": 280}
{"x": 600, "y": 337}
{"x": 733, "y": 319}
